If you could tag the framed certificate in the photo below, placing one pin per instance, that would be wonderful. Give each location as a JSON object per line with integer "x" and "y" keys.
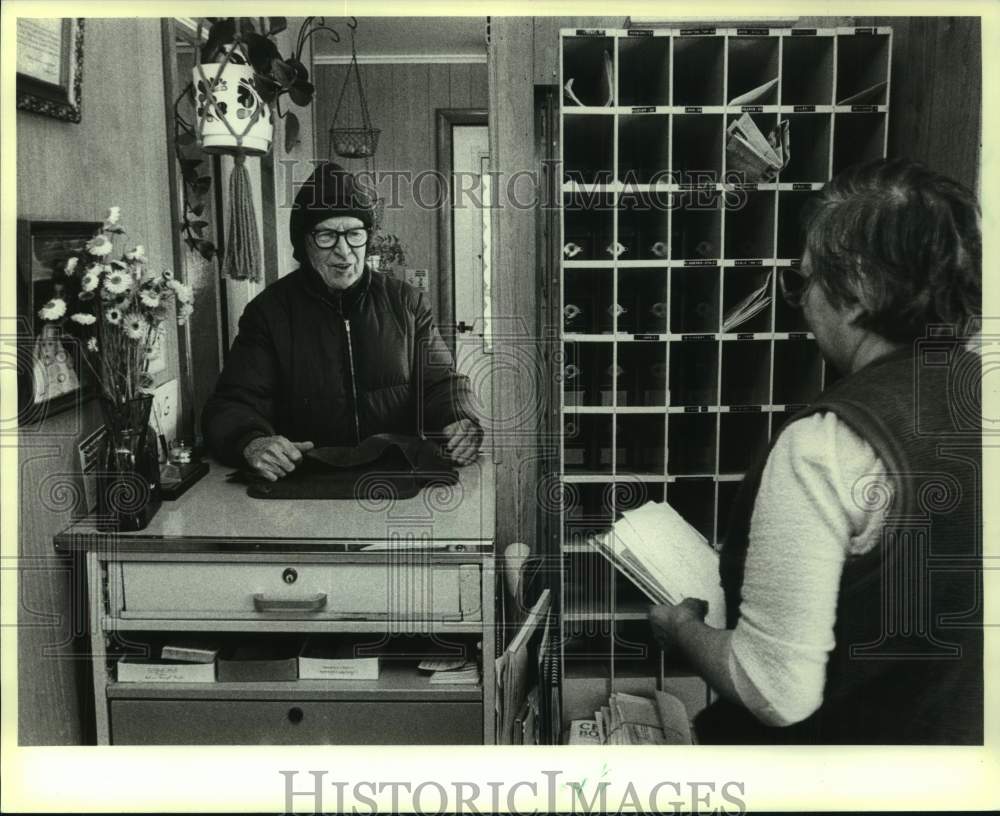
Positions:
{"x": 50, "y": 66}
{"x": 52, "y": 375}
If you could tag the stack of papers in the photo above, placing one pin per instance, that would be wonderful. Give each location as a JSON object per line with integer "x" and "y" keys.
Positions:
{"x": 519, "y": 671}
{"x": 750, "y": 306}
{"x": 631, "y": 720}
{"x": 749, "y": 153}
{"x": 665, "y": 557}
{"x": 465, "y": 672}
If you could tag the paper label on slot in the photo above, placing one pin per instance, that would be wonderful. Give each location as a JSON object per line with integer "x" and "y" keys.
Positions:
{"x": 692, "y": 109}
{"x": 798, "y": 335}
{"x": 748, "y": 262}
{"x": 695, "y": 409}
{"x": 640, "y": 32}
{"x": 645, "y": 337}
{"x": 644, "y": 109}
{"x": 744, "y": 336}
{"x": 744, "y": 409}
{"x": 864, "y": 31}
{"x": 753, "y": 32}
{"x": 804, "y": 108}
{"x": 864, "y": 108}
{"x": 694, "y": 32}
{"x": 701, "y": 262}
{"x": 798, "y": 185}
{"x": 590, "y": 32}
{"x": 803, "y": 32}
{"x": 686, "y": 337}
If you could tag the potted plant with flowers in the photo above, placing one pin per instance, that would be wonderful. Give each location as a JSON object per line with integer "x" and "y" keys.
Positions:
{"x": 116, "y": 309}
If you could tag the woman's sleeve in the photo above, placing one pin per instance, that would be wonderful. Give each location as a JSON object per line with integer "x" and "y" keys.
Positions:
{"x": 805, "y": 523}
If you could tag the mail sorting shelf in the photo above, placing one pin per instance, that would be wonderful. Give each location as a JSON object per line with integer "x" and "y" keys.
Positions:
{"x": 660, "y": 399}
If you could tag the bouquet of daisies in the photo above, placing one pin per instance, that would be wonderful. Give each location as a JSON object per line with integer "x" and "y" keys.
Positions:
{"x": 116, "y": 308}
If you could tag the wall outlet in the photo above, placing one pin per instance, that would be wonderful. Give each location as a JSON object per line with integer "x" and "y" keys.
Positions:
{"x": 417, "y": 278}
{"x": 164, "y": 413}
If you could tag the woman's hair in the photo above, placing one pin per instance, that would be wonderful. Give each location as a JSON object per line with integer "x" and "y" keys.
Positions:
{"x": 902, "y": 241}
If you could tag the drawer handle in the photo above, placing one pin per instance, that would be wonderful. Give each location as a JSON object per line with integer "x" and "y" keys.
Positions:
{"x": 314, "y": 603}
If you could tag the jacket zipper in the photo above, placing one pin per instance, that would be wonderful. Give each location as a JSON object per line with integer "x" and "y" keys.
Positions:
{"x": 354, "y": 389}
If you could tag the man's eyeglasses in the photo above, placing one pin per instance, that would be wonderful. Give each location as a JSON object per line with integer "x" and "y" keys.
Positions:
{"x": 327, "y": 239}
{"x": 793, "y": 285}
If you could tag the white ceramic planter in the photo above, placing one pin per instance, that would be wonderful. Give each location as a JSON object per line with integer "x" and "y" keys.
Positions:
{"x": 233, "y": 100}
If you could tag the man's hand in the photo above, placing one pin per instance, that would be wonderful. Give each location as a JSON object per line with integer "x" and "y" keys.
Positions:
{"x": 462, "y": 441}
{"x": 274, "y": 456}
{"x": 665, "y": 619}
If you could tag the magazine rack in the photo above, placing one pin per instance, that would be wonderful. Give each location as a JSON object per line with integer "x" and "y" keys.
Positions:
{"x": 658, "y": 244}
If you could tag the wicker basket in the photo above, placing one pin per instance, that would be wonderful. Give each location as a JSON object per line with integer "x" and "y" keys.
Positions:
{"x": 354, "y": 143}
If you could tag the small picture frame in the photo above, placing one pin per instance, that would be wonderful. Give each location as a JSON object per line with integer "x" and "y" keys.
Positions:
{"x": 50, "y": 66}
{"x": 52, "y": 374}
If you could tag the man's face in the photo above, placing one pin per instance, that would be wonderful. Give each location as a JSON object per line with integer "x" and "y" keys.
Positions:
{"x": 332, "y": 255}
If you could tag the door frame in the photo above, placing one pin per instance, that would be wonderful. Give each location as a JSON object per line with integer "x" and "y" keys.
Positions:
{"x": 446, "y": 119}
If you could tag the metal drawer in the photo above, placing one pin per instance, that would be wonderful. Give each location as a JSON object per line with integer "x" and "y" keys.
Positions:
{"x": 238, "y": 722}
{"x": 300, "y": 591}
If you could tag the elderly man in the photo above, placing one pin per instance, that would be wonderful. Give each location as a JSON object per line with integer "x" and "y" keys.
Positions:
{"x": 333, "y": 353}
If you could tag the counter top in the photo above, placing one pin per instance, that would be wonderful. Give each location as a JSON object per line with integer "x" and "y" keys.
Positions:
{"x": 221, "y": 512}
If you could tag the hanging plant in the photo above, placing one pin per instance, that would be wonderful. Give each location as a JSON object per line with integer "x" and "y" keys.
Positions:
{"x": 234, "y": 94}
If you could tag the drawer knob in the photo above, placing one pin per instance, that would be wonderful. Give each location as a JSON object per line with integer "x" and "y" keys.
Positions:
{"x": 289, "y": 576}
{"x": 295, "y": 715}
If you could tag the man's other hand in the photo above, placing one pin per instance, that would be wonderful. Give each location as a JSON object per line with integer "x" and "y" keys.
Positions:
{"x": 274, "y": 456}
{"x": 462, "y": 441}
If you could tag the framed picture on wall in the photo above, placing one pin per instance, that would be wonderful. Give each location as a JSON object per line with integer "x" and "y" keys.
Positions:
{"x": 50, "y": 66}
{"x": 52, "y": 373}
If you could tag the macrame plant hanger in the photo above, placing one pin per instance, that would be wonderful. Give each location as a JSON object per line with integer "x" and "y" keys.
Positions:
{"x": 221, "y": 98}
{"x": 350, "y": 139}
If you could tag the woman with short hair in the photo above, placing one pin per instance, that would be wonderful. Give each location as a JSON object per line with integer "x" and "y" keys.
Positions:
{"x": 852, "y": 562}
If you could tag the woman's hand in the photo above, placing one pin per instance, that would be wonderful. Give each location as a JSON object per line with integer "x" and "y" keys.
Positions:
{"x": 666, "y": 619}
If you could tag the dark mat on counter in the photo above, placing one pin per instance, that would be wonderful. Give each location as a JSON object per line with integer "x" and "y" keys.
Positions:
{"x": 382, "y": 467}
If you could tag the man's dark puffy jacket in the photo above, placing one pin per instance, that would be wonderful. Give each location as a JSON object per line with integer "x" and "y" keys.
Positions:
{"x": 333, "y": 368}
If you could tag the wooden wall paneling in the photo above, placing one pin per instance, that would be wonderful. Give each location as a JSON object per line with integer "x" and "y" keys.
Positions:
{"x": 517, "y": 367}
{"x": 461, "y": 85}
{"x": 438, "y": 96}
{"x": 936, "y": 92}
{"x": 478, "y": 86}
{"x": 75, "y": 172}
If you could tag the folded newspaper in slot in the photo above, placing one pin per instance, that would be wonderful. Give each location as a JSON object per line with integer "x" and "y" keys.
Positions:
{"x": 750, "y": 306}
{"x": 755, "y": 157}
{"x": 753, "y": 94}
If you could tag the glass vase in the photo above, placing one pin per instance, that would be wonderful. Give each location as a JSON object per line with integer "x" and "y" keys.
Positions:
{"x": 128, "y": 485}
